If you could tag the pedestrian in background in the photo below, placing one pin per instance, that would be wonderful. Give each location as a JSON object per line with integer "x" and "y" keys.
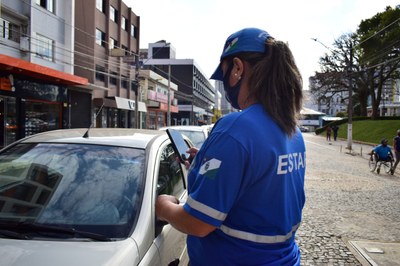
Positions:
{"x": 328, "y": 133}
{"x": 396, "y": 147}
{"x": 246, "y": 183}
{"x": 335, "y": 130}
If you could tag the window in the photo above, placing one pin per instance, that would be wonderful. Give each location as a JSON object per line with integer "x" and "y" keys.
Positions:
{"x": 113, "y": 14}
{"x": 44, "y": 47}
{"x": 124, "y": 82}
{"x": 133, "y": 31}
{"x": 9, "y": 31}
{"x": 100, "y": 5}
{"x": 100, "y": 37}
{"x": 126, "y": 49}
{"x": 113, "y": 43}
{"x": 124, "y": 23}
{"x": 47, "y": 4}
{"x": 100, "y": 73}
{"x": 170, "y": 176}
{"x": 113, "y": 78}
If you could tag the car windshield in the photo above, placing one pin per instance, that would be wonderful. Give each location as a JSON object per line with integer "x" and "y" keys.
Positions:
{"x": 197, "y": 137}
{"x": 91, "y": 188}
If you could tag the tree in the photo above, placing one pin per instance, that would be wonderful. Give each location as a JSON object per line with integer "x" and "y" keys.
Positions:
{"x": 379, "y": 46}
{"x": 375, "y": 53}
{"x": 335, "y": 70}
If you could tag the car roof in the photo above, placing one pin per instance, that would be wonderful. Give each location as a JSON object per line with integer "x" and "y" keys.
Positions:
{"x": 189, "y": 128}
{"x": 126, "y": 137}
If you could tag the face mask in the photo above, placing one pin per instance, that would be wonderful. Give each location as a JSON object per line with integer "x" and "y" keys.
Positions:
{"x": 231, "y": 93}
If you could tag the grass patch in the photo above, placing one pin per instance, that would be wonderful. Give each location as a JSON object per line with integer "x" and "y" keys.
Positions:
{"x": 371, "y": 131}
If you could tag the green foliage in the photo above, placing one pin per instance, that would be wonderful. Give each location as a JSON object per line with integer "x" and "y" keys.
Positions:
{"x": 341, "y": 114}
{"x": 367, "y": 130}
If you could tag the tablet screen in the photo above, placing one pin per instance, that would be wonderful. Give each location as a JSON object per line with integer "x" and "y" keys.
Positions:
{"x": 179, "y": 144}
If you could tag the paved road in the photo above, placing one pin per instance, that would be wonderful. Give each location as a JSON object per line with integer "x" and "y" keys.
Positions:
{"x": 346, "y": 203}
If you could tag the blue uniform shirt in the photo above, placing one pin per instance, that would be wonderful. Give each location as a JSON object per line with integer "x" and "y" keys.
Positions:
{"x": 382, "y": 151}
{"x": 247, "y": 180}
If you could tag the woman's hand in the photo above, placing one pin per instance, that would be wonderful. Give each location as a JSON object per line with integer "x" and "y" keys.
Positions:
{"x": 164, "y": 202}
{"x": 192, "y": 152}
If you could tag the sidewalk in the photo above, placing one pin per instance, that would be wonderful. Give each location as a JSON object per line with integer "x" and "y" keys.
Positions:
{"x": 369, "y": 252}
{"x": 375, "y": 253}
{"x": 365, "y": 229}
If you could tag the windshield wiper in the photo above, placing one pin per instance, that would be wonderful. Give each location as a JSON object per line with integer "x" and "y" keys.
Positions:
{"x": 24, "y": 226}
{"x": 13, "y": 235}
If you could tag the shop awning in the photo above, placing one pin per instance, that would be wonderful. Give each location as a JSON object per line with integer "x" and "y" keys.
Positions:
{"x": 120, "y": 103}
{"x": 127, "y": 104}
{"x": 21, "y": 67}
{"x": 163, "y": 107}
{"x": 308, "y": 111}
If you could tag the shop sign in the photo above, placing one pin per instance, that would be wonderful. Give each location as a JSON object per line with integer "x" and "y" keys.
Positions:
{"x": 127, "y": 104}
{"x": 5, "y": 84}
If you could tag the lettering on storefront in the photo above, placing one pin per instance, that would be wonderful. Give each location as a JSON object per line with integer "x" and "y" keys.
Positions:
{"x": 131, "y": 105}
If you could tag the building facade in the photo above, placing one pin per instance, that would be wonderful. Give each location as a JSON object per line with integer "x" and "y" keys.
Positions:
{"x": 106, "y": 53}
{"x": 37, "y": 84}
{"x": 154, "y": 90}
{"x": 195, "y": 94}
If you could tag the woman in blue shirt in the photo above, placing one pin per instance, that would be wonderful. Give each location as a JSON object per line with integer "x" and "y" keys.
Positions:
{"x": 246, "y": 183}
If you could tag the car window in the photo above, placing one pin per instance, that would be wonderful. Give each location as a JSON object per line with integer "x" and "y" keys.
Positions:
{"x": 197, "y": 137}
{"x": 170, "y": 175}
{"x": 98, "y": 188}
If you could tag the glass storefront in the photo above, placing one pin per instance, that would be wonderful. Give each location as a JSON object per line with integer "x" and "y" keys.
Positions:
{"x": 155, "y": 119}
{"x": 8, "y": 121}
{"x": 124, "y": 118}
{"x": 41, "y": 116}
{"x": 152, "y": 117}
{"x": 37, "y": 116}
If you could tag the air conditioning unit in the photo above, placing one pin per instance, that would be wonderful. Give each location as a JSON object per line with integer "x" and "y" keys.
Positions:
{"x": 24, "y": 44}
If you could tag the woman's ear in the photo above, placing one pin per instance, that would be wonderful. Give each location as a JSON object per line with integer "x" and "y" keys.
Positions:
{"x": 238, "y": 67}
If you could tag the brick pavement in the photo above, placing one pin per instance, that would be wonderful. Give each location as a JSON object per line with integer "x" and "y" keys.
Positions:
{"x": 347, "y": 204}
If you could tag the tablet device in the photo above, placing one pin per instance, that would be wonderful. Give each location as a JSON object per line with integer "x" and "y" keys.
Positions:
{"x": 179, "y": 144}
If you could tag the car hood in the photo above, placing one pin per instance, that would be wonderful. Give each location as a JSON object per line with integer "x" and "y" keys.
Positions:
{"x": 50, "y": 253}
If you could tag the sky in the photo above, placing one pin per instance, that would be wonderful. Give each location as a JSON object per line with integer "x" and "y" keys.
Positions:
{"x": 198, "y": 29}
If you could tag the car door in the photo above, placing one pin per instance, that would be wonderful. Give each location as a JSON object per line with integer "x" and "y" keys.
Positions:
{"x": 171, "y": 180}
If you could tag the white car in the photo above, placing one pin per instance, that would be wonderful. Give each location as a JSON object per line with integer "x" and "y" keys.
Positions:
{"x": 67, "y": 198}
{"x": 197, "y": 134}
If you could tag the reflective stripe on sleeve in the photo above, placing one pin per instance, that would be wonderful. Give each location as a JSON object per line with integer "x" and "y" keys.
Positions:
{"x": 258, "y": 238}
{"x": 213, "y": 213}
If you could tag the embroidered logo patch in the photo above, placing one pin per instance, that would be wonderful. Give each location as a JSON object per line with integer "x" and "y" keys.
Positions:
{"x": 210, "y": 168}
{"x": 230, "y": 45}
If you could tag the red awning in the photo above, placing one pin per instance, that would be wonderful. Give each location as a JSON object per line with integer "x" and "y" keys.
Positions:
{"x": 22, "y": 67}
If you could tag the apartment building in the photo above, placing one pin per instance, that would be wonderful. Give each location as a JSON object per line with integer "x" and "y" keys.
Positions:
{"x": 106, "y": 53}
{"x": 38, "y": 88}
{"x": 195, "y": 95}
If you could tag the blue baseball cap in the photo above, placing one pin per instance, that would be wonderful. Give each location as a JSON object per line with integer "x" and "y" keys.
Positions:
{"x": 245, "y": 40}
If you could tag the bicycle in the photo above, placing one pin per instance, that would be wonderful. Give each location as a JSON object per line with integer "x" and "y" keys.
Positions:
{"x": 375, "y": 163}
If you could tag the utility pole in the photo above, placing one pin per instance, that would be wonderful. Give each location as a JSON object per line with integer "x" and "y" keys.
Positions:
{"x": 169, "y": 96}
{"x": 350, "y": 107}
{"x": 137, "y": 91}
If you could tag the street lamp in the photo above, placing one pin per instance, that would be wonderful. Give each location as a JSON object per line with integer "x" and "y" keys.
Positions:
{"x": 350, "y": 106}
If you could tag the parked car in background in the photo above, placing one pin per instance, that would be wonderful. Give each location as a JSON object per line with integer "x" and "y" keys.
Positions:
{"x": 304, "y": 129}
{"x": 67, "y": 198}
{"x": 197, "y": 134}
